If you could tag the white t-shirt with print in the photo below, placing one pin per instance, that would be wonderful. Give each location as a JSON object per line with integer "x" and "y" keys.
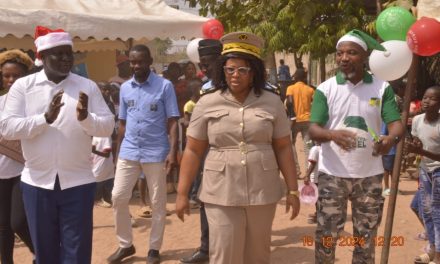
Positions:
{"x": 360, "y": 108}
{"x": 103, "y": 168}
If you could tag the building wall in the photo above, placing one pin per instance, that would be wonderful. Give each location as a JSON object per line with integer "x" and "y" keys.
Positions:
{"x": 101, "y": 65}
{"x": 312, "y": 66}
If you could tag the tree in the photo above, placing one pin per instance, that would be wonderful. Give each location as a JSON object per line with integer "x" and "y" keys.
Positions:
{"x": 295, "y": 26}
{"x": 159, "y": 48}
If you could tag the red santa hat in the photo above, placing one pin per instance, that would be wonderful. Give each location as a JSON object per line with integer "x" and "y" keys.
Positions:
{"x": 46, "y": 38}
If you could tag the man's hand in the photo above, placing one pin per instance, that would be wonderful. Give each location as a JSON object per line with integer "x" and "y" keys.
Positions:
{"x": 54, "y": 107}
{"x": 82, "y": 106}
{"x": 170, "y": 162}
{"x": 343, "y": 138}
{"x": 383, "y": 145}
{"x": 182, "y": 206}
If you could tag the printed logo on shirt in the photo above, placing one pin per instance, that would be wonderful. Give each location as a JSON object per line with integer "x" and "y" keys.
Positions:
{"x": 358, "y": 123}
{"x": 153, "y": 107}
{"x": 374, "y": 101}
{"x": 130, "y": 103}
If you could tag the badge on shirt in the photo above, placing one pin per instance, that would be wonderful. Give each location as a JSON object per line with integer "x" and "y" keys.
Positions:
{"x": 130, "y": 103}
{"x": 153, "y": 107}
{"x": 374, "y": 101}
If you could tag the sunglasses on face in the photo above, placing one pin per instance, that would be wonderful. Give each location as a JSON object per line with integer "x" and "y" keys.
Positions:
{"x": 240, "y": 70}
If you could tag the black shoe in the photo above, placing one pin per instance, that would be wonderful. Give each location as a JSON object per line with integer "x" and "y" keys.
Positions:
{"x": 120, "y": 254}
{"x": 153, "y": 257}
{"x": 197, "y": 257}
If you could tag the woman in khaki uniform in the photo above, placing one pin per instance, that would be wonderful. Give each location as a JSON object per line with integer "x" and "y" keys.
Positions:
{"x": 246, "y": 132}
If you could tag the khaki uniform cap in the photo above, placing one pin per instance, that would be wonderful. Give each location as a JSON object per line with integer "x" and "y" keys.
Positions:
{"x": 242, "y": 42}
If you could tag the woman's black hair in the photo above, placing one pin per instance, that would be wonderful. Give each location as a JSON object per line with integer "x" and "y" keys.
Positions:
{"x": 18, "y": 63}
{"x": 256, "y": 65}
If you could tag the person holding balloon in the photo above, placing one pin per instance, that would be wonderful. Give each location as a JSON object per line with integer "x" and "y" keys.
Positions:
{"x": 346, "y": 116}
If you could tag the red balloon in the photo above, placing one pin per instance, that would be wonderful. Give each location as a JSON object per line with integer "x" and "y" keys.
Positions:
{"x": 423, "y": 37}
{"x": 213, "y": 29}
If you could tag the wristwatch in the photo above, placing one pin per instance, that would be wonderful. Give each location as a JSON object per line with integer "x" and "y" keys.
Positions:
{"x": 396, "y": 139}
{"x": 293, "y": 193}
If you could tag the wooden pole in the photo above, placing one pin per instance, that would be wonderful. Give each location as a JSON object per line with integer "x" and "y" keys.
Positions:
{"x": 378, "y": 7}
{"x": 412, "y": 76}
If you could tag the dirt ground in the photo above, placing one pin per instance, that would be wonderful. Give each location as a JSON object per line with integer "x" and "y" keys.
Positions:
{"x": 290, "y": 239}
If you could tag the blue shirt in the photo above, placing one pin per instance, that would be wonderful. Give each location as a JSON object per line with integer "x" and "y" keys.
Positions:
{"x": 284, "y": 73}
{"x": 146, "y": 107}
{"x": 384, "y": 131}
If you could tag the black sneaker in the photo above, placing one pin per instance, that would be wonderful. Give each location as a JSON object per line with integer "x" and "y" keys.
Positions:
{"x": 120, "y": 254}
{"x": 153, "y": 257}
{"x": 198, "y": 256}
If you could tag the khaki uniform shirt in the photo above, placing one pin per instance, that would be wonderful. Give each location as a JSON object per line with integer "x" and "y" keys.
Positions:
{"x": 240, "y": 168}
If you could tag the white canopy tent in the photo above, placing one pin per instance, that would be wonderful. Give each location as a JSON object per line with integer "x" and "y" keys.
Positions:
{"x": 428, "y": 8}
{"x": 95, "y": 24}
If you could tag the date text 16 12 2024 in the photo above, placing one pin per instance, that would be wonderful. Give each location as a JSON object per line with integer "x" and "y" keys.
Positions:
{"x": 351, "y": 241}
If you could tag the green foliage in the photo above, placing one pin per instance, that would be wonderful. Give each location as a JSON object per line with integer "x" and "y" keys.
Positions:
{"x": 296, "y": 26}
{"x": 407, "y": 4}
{"x": 162, "y": 45}
{"x": 159, "y": 48}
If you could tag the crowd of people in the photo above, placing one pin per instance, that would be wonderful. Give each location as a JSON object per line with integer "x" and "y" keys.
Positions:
{"x": 77, "y": 143}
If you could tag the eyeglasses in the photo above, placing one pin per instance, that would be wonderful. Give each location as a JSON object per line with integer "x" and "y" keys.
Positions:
{"x": 240, "y": 70}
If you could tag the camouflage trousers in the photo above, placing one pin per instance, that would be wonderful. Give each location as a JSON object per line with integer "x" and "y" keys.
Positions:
{"x": 367, "y": 202}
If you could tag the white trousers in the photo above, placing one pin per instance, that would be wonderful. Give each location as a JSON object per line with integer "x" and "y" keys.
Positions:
{"x": 126, "y": 176}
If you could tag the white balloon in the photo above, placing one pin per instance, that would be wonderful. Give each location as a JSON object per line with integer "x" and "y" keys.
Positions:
{"x": 192, "y": 50}
{"x": 393, "y": 63}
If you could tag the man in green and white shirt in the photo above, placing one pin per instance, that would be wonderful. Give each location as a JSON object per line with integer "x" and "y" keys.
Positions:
{"x": 347, "y": 113}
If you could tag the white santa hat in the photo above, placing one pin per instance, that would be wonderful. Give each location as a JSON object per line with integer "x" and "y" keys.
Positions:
{"x": 46, "y": 38}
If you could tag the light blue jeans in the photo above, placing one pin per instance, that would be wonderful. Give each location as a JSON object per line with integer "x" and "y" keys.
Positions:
{"x": 431, "y": 205}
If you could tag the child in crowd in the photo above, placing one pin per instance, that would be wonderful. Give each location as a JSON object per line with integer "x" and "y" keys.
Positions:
{"x": 415, "y": 108}
{"x": 312, "y": 173}
{"x": 426, "y": 143}
{"x": 388, "y": 163}
{"x": 194, "y": 87}
{"x": 103, "y": 170}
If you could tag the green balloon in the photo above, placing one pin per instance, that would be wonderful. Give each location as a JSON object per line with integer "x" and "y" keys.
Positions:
{"x": 393, "y": 23}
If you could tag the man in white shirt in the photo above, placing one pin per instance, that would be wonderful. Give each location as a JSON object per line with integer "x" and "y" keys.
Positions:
{"x": 54, "y": 113}
{"x": 347, "y": 112}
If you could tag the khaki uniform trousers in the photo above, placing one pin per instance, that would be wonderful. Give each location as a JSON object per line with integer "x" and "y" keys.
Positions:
{"x": 240, "y": 234}
{"x": 127, "y": 174}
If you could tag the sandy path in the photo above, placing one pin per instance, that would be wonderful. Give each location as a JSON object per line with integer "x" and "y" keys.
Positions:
{"x": 287, "y": 236}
